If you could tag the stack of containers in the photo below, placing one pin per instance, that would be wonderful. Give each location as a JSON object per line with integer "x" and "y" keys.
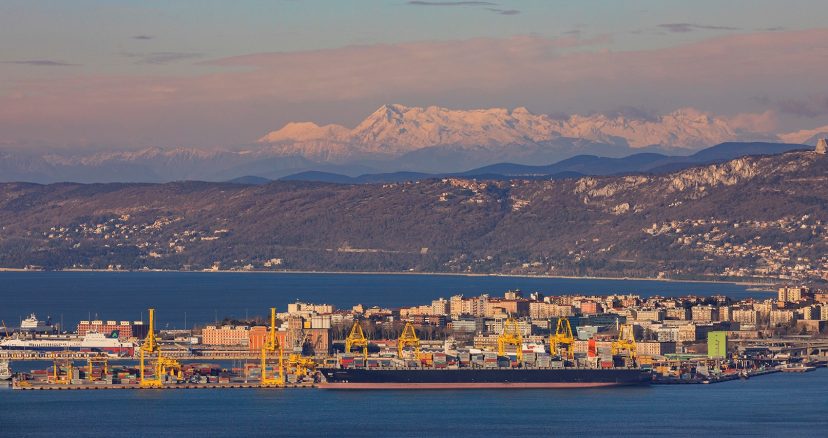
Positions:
{"x": 439, "y": 360}
{"x": 464, "y": 359}
{"x": 346, "y": 361}
{"x": 490, "y": 360}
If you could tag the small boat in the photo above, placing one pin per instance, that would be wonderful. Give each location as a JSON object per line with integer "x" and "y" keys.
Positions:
{"x": 797, "y": 368}
{"x": 5, "y": 370}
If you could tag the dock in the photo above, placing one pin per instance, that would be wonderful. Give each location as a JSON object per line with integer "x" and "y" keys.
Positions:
{"x": 58, "y": 387}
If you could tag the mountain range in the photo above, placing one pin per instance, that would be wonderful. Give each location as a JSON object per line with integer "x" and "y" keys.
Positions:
{"x": 397, "y": 138}
{"x": 577, "y": 166}
{"x": 753, "y": 216}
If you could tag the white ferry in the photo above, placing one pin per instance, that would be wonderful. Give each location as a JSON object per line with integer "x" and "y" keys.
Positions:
{"x": 92, "y": 342}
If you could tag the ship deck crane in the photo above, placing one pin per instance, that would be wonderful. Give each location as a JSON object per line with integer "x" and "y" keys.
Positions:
{"x": 625, "y": 341}
{"x": 408, "y": 339}
{"x": 357, "y": 339}
{"x": 511, "y": 336}
{"x": 271, "y": 346}
{"x": 563, "y": 342}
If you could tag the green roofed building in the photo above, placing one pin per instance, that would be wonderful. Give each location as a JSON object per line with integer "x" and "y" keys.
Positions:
{"x": 717, "y": 345}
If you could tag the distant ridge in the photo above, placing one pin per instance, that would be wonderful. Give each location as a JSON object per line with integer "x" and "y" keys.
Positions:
{"x": 706, "y": 222}
{"x": 250, "y": 180}
{"x": 575, "y": 167}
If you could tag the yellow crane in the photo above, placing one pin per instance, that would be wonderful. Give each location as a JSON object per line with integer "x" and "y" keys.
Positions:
{"x": 511, "y": 336}
{"x": 271, "y": 346}
{"x": 301, "y": 366}
{"x": 151, "y": 351}
{"x": 625, "y": 341}
{"x": 562, "y": 343}
{"x": 103, "y": 361}
{"x": 357, "y": 339}
{"x": 148, "y": 349}
{"x": 408, "y": 338}
{"x": 62, "y": 370}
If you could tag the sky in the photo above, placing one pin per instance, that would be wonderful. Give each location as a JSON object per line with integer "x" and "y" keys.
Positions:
{"x": 118, "y": 74}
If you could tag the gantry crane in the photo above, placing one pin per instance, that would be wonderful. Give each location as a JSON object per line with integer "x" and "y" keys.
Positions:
{"x": 300, "y": 365}
{"x": 271, "y": 346}
{"x": 408, "y": 339}
{"x": 62, "y": 370}
{"x": 562, "y": 342}
{"x": 625, "y": 341}
{"x": 511, "y": 336}
{"x": 102, "y": 360}
{"x": 150, "y": 350}
{"x": 357, "y": 339}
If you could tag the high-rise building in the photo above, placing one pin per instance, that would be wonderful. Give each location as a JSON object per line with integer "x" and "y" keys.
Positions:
{"x": 790, "y": 294}
{"x": 717, "y": 345}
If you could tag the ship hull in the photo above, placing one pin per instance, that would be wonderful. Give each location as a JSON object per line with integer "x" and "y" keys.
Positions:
{"x": 480, "y": 378}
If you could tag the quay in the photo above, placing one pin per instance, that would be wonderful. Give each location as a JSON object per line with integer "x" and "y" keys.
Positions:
{"x": 26, "y": 386}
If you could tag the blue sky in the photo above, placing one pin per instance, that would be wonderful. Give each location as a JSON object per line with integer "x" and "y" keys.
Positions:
{"x": 48, "y": 49}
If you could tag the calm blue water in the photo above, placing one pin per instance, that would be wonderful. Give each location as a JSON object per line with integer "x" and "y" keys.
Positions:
{"x": 774, "y": 405}
{"x": 74, "y": 296}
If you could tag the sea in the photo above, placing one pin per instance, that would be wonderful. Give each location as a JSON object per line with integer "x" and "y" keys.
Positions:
{"x": 772, "y": 405}
{"x": 782, "y": 404}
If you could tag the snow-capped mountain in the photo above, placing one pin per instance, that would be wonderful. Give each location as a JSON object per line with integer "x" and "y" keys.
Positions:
{"x": 397, "y": 129}
{"x": 805, "y": 136}
{"x": 399, "y": 138}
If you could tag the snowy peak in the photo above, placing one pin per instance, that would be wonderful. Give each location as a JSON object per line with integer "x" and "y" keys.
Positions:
{"x": 683, "y": 128}
{"x": 397, "y": 129}
{"x": 805, "y": 136}
{"x": 304, "y": 131}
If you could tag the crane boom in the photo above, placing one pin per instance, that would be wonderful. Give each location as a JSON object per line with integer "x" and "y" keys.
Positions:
{"x": 357, "y": 339}
{"x": 511, "y": 336}
{"x": 408, "y": 339}
{"x": 563, "y": 342}
{"x": 271, "y": 346}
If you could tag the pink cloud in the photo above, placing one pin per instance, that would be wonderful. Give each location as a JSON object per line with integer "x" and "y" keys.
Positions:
{"x": 764, "y": 122}
{"x": 237, "y": 99}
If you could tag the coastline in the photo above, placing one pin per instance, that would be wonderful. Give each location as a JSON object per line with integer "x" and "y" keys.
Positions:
{"x": 764, "y": 287}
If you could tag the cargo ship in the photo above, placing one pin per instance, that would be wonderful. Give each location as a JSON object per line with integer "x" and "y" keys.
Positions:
{"x": 91, "y": 342}
{"x": 455, "y": 378}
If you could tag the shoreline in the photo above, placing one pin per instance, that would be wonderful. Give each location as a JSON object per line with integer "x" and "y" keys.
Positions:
{"x": 766, "y": 287}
